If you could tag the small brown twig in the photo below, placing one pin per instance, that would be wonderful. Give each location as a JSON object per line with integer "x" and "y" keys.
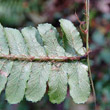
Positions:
{"x": 81, "y": 23}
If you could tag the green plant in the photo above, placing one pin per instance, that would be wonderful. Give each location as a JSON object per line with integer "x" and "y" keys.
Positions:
{"x": 11, "y": 12}
{"x": 33, "y": 58}
{"x": 16, "y": 12}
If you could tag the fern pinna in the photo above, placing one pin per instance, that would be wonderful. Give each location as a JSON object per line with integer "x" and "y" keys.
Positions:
{"x": 34, "y": 58}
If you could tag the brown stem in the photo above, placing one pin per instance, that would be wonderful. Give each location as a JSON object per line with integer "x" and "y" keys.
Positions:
{"x": 87, "y": 47}
{"x": 44, "y": 59}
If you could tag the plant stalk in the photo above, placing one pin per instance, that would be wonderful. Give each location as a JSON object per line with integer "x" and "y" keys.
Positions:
{"x": 44, "y": 58}
{"x": 87, "y": 48}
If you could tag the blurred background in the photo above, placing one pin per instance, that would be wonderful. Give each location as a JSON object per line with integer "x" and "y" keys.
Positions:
{"x": 20, "y": 13}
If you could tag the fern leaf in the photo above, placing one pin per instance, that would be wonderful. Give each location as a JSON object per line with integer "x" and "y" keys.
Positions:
{"x": 3, "y": 43}
{"x": 79, "y": 82}
{"x": 5, "y": 67}
{"x": 49, "y": 36}
{"x": 34, "y": 48}
{"x": 17, "y": 81}
{"x": 16, "y": 42}
{"x": 28, "y": 62}
{"x": 57, "y": 83}
{"x": 36, "y": 86}
{"x": 73, "y": 39}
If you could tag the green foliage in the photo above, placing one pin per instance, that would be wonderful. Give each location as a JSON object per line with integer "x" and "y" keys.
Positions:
{"x": 58, "y": 83}
{"x": 11, "y": 12}
{"x": 73, "y": 39}
{"x": 36, "y": 86}
{"x": 78, "y": 82}
{"x": 16, "y": 12}
{"x": 17, "y": 81}
{"x": 31, "y": 78}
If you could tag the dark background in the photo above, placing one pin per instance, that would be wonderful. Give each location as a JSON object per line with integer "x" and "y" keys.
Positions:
{"x": 20, "y": 13}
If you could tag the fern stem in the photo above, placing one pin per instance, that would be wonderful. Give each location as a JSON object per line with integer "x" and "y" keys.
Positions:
{"x": 44, "y": 59}
{"x": 87, "y": 47}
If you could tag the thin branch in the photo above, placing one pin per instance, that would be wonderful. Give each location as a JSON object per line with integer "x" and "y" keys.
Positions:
{"x": 87, "y": 47}
{"x": 44, "y": 59}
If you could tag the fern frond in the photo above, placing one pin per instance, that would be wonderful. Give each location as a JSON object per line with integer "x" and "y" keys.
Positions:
{"x": 29, "y": 78}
